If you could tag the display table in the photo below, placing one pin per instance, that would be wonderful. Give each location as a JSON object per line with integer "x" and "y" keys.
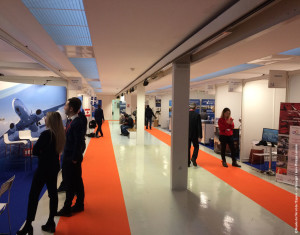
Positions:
{"x": 207, "y": 132}
{"x": 270, "y": 154}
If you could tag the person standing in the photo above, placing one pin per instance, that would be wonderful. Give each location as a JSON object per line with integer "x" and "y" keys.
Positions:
{"x": 226, "y": 126}
{"x": 83, "y": 118}
{"x": 195, "y": 134}
{"x": 72, "y": 159}
{"x": 148, "y": 116}
{"x": 48, "y": 147}
{"x": 99, "y": 117}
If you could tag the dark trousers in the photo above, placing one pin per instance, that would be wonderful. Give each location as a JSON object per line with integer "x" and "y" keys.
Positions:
{"x": 74, "y": 184}
{"x": 124, "y": 129}
{"x": 224, "y": 141}
{"x": 40, "y": 178}
{"x": 99, "y": 129}
{"x": 196, "y": 149}
{"x": 148, "y": 120}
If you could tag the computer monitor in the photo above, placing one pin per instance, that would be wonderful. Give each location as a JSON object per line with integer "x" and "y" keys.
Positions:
{"x": 270, "y": 135}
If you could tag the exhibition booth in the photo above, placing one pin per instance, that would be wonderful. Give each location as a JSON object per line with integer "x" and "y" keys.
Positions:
{"x": 262, "y": 114}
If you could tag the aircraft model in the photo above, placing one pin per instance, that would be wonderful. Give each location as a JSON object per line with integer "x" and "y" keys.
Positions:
{"x": 28, "y": 119}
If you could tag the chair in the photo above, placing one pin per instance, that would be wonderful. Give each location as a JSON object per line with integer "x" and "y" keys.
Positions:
{"x": 8, "y": 142}
{"x": 6, "y": 186}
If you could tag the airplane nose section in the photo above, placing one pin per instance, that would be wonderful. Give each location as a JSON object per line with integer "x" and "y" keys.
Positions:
{"x": 17, "y": 105}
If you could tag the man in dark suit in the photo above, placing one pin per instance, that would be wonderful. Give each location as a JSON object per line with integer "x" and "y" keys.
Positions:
{"x": 195, "y": 133}
{"x": 73, "y": 158}
{"x": 83, "y": 118}
{"x": 99, "y": 116}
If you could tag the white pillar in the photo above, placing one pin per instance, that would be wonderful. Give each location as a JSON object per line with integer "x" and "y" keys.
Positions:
{"x": 128, "y": 104}
{"x": 180, "y": 123}
{"x": 140, "y": 114}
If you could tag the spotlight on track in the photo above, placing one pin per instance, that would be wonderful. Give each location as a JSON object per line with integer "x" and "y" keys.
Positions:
{"x": 145, "y": 83}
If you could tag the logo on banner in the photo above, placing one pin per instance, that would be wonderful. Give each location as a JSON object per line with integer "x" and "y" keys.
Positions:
{"x": 87, "y": 112}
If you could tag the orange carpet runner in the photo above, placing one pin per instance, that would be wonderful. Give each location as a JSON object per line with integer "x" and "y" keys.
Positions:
{"x": 278, "y": 201}
{"x": 105, "y": 211}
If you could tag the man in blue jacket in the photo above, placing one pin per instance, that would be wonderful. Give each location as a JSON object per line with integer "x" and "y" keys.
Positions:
{"x": 73, "y": 158}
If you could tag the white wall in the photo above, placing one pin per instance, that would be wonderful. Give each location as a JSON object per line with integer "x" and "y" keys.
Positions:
{"x": 106, "y": 105}
{"x": 231, "y": 100}
{"x": 260, "y": 109}
{"x": 294, "y": 89}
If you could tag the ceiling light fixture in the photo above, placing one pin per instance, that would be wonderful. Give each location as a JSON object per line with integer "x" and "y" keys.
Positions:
{"x": 145, "y": 82}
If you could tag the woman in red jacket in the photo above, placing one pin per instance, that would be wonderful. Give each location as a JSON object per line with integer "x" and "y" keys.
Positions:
{"x": 226, "y": 126}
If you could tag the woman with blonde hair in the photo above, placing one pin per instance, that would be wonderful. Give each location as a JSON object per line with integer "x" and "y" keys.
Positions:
{"x": 48, "y": 147}
{"x": 226, "y": 127}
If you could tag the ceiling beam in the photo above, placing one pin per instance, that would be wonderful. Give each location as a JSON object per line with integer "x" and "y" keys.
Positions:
{"x": 25, "y": 50}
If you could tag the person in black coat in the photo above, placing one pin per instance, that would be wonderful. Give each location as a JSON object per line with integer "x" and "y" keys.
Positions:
{"x": 73, "y": 158}
{"x": 81, "y": 115}
{"x": 195, "y": 133}
{"x": 48, "y": 147}
{"x": 148, "y": 116}
{"x": 99, "y": 117}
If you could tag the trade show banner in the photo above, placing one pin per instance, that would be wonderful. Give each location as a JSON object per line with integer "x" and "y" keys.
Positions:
{"x": 24, "y": 106}
{"x": 209, "y": 106}
{"x": 197, "y": 102}
{"x": 288, "y": 161}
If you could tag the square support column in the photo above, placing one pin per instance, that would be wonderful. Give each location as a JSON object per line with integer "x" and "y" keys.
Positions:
{"x": 140, "y": 115}
{"x": 180, "y": 123}
{"x": 128, "y": 104}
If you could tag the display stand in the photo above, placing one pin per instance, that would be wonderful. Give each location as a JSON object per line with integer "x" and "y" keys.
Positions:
{"x": 270, "y": 154}
{"x": 269, "y": 171}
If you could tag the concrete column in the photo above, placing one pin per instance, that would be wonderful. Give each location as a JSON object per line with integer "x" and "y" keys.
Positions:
{"x": 140, "y": 114}
{"x": 180, "y": 123}
{"x": 128, "y": 104}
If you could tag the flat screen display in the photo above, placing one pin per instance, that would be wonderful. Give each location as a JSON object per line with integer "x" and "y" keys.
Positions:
{"x": 270, "y": 135}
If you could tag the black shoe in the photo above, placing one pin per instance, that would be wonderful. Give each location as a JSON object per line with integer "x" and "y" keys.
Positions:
{"x": 64, "y": 212}
{"x": 76, "y": 209}
{"x": 194, "y": 162}
{"x": 97, "y": 136}
{"x": 27, "y": 229}
{"x": 224, "y": 164}
{"x": 49, "y": 227}
{"x": 121, "y": 134}
{"x": 101, "y": 135}
{"x": 235, "y": 164}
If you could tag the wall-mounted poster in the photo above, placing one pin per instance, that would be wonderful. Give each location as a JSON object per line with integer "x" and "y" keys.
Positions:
{"x": 197, "y": 102}
{"x": 122, "y": 107}
{"x": 288, "y": 161}
{"x": 24, "y": 106}
{"x": 208, "y": 106}
{"x": 158, "y": 103}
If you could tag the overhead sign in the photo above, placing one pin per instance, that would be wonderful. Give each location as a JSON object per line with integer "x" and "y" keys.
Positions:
{"x": 277, "y": 78}
{"x": 235, "y": 86}
{"x": 75, "y": 84}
